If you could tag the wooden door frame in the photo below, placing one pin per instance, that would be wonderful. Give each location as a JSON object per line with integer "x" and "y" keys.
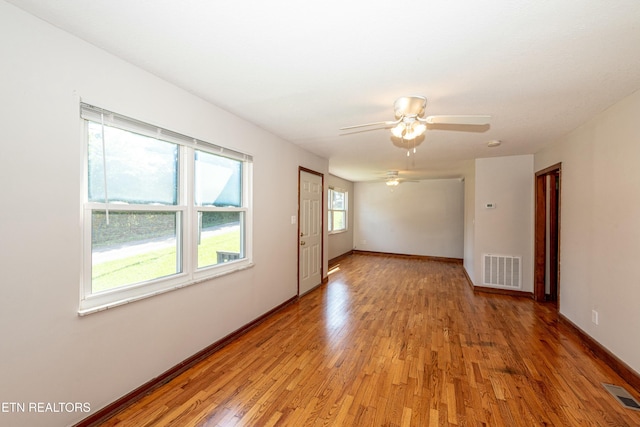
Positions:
{"x": 540, "y": 232}
{"x": 321, "y": 175}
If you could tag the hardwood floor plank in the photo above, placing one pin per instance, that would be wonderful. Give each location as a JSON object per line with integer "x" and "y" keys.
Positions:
{"x": 396, "y": 342}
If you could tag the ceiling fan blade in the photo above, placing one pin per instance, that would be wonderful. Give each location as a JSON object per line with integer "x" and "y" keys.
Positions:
{"x": 457, "y": 120}
{"x": 387, "y": 123}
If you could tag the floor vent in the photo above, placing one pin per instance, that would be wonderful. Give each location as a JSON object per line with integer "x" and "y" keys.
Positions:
{"x": 502, "y": 270}
{"x": 622, "y": 396}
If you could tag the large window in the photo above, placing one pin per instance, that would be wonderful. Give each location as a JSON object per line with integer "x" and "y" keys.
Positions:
{"x": 337, "y": 210}
{"x": 161, "y": 210}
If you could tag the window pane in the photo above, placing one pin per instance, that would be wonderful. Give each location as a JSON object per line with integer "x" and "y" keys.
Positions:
{"x": 139, "y": 169}
{"x": 338, "y": 220}
{"x": 338, "y": 200}
{"x": 218, "y": 181}
{"x": 219, "y": 237}
{"x": 134, "y": 247}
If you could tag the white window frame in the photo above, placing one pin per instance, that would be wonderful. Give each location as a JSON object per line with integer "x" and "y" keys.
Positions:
{"x": 331, "y": 210}
{"x": 186, "y": 235}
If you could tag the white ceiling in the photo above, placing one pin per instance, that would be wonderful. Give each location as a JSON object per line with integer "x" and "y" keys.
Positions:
{"x": 303, "y": 69}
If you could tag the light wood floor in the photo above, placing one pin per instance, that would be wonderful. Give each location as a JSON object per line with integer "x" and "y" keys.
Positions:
{"x": 394, "y": 342}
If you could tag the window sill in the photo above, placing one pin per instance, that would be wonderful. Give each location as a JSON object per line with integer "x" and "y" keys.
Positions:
{"x": 338, "y": 232}
{"x": 90, "y": 310}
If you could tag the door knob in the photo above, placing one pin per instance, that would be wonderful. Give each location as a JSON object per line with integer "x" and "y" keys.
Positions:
{"x": 302, "y": 243}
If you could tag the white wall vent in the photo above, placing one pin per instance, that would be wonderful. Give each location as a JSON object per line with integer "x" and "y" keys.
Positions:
{"x": 502, "y": 270}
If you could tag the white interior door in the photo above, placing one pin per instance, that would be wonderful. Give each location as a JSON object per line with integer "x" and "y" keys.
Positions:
{"x": 310, "y": 238}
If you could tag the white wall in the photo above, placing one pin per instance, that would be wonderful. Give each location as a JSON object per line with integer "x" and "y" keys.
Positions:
{"x": 414, "y": 218}
{"x": 341, "y": 243}
{"x": 600, "y": 227}
{"x": 508, "y": 229}
{"x": 469, "y": 220}
{"x": 48, "y": 353}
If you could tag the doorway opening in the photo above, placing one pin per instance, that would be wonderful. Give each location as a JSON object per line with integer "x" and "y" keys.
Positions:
{"x": 547, "y": 235}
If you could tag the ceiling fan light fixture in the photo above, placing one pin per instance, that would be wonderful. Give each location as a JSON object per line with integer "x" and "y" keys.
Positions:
{"x": 408, "y": 131}
{"x": 398, "y": 130}
{"x": 417, "y": 129}
{"x": 392, "y": 182}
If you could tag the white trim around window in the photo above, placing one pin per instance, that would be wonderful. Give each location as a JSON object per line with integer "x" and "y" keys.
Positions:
{"x": 337, "y": 203}
{"x": 161, "y": 211}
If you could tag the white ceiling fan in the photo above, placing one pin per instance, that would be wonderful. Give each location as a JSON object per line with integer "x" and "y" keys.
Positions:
{"x": 410, "y": 122}
{"x": 393, "y": 179}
